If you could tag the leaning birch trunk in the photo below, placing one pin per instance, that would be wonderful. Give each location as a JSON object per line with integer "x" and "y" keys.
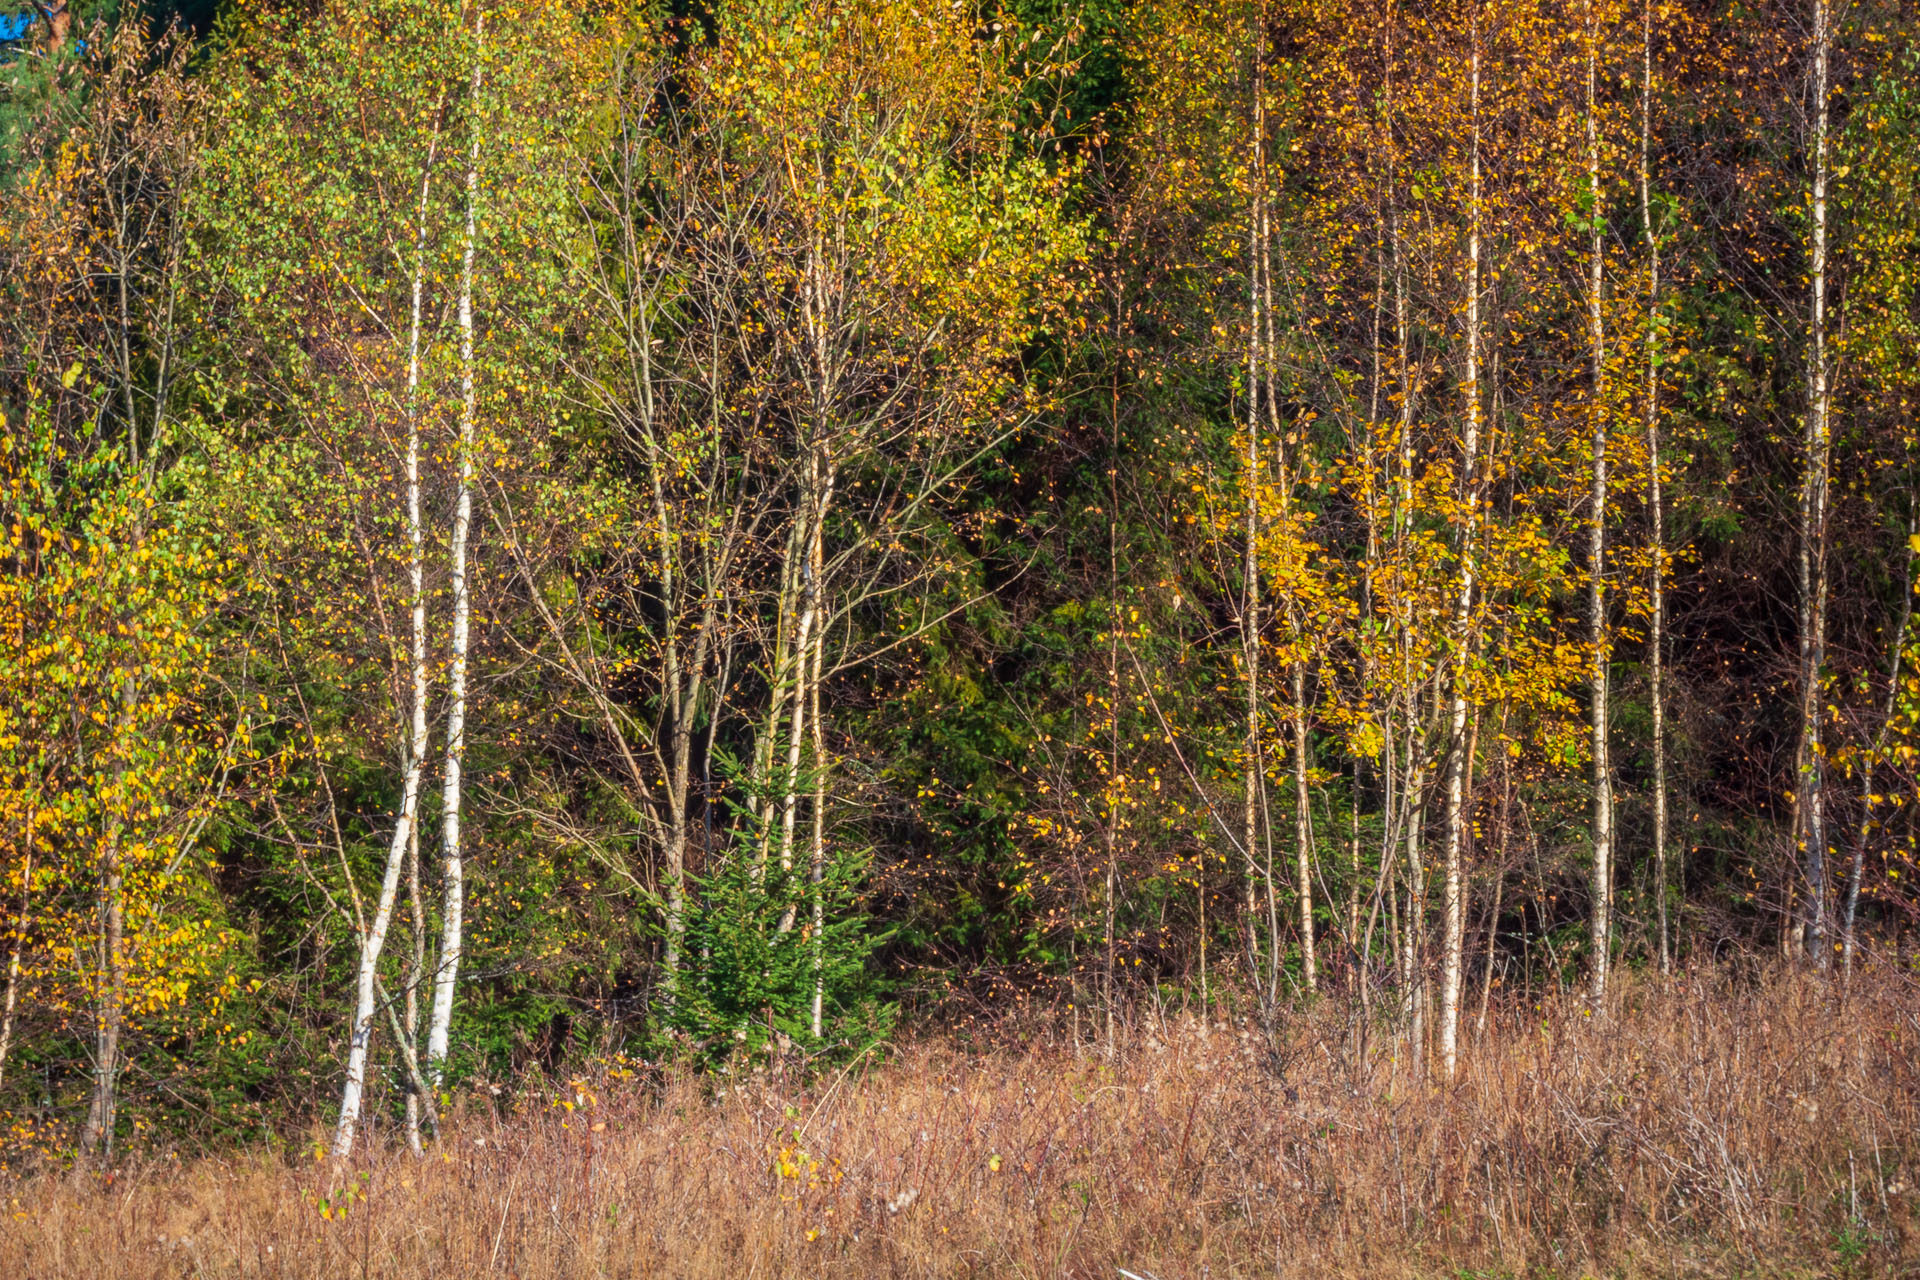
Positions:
{"x": 1600, "y": 914}
{"x": 366, "y": 997}
{"x": 1455, "y": 900}
{"x": 405, "y": 829}
{"x": 1810, "y": 797}
{"x": 1656, "y": 507}
{"x": 447, "y": 973}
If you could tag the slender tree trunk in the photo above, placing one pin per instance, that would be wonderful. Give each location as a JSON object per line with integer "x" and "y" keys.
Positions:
{"x": 1414, "y": 949}
{"x": 372, "y": 942}
{"x": 817, "y": 861}
{"x": 1868, "y": 801}
{"x": 96, "y": 1137}
{"x": 1600, "y": 917}
{"x": 416, "y": 581}
{"x": 1352, "y": 912}
{"x": 782, "y": 682}
{"x": 1110, "y": 834}
{"x": 1369, "y": 655}
{"x": 1269, "y": 394}
{"x": 803, "y": 643}
{"x": 406, "y": 827}
{"x": 1396, "y": 805}
{"x": 1250, "y": 570}
{"x": 806, "y": 662}
{"x": 1811, "y": 791}
{"x": 1412, "y": 791}
{"x": 453, "y": 868}
{"x": 1499, "y": 875}
{"x": 797, "y": 726}
{"x": 416, "y": 971}
{"x": 1460, "y": 675}
{"x": 683, "y": 679}
{"x": 1113, "y": 788}
{"x": 17, "y": 945}
{"x": 1656, "y": 506}
{"x": 1303, "y": 825}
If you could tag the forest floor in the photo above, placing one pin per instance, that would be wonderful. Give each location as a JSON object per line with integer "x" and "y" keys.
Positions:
{"x": 1724, "y": 1123}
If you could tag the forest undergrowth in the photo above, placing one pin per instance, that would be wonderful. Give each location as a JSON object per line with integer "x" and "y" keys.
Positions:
{"x": 1728, "y": 1122}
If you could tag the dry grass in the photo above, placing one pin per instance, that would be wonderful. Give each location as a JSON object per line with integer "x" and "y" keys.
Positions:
{"x": 1719, "y": 1126}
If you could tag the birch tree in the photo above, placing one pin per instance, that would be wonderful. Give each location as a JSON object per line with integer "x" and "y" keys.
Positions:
{"x": 453, "y": 888}
{"x": 1656, "y": 505}
{"x": 1810, "y": 788}
{"x": 1601, "y": 909}
{"x": 1458, "y": 764}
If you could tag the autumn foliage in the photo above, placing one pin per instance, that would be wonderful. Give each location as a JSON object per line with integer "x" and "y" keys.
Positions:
{"x": 771, "y": 547}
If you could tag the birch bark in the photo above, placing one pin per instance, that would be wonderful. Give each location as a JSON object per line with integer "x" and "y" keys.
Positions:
{"x": 1656, "y": 506}
{"x": 1250, "y": 569}
{"x": 453, "y": 871}
{"x": 1455, "y": 890}
{"x": 1600, "y": 917}
{"x": 1810, "y": 797}
{"x": 414, "y": 753}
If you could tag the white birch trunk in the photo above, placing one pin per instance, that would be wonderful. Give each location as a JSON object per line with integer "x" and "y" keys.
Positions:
{"x": 1656, "y": 506}
{"x": 453, "y": 883}
{"x": 1600, "y": 917}
{"x": 1250, "y": 604}
{"x": 1811, "y": 789}
{"x": 17, "y": 943}
{"x": 1303, "y": 828}
{"x": 817, "y": 862}
{"x": 405, "y": 834}
{"x": 1455, "y": 892}
{"x": 806, "y": 662}
{"x": 365, "y": 995}
{"x": 797, "y": 725}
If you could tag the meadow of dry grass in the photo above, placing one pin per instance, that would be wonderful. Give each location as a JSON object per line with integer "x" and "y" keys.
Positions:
{"x": 1723, "y": 1125}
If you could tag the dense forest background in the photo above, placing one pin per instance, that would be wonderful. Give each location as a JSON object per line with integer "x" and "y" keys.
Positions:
{"x": 539, "y": 533}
